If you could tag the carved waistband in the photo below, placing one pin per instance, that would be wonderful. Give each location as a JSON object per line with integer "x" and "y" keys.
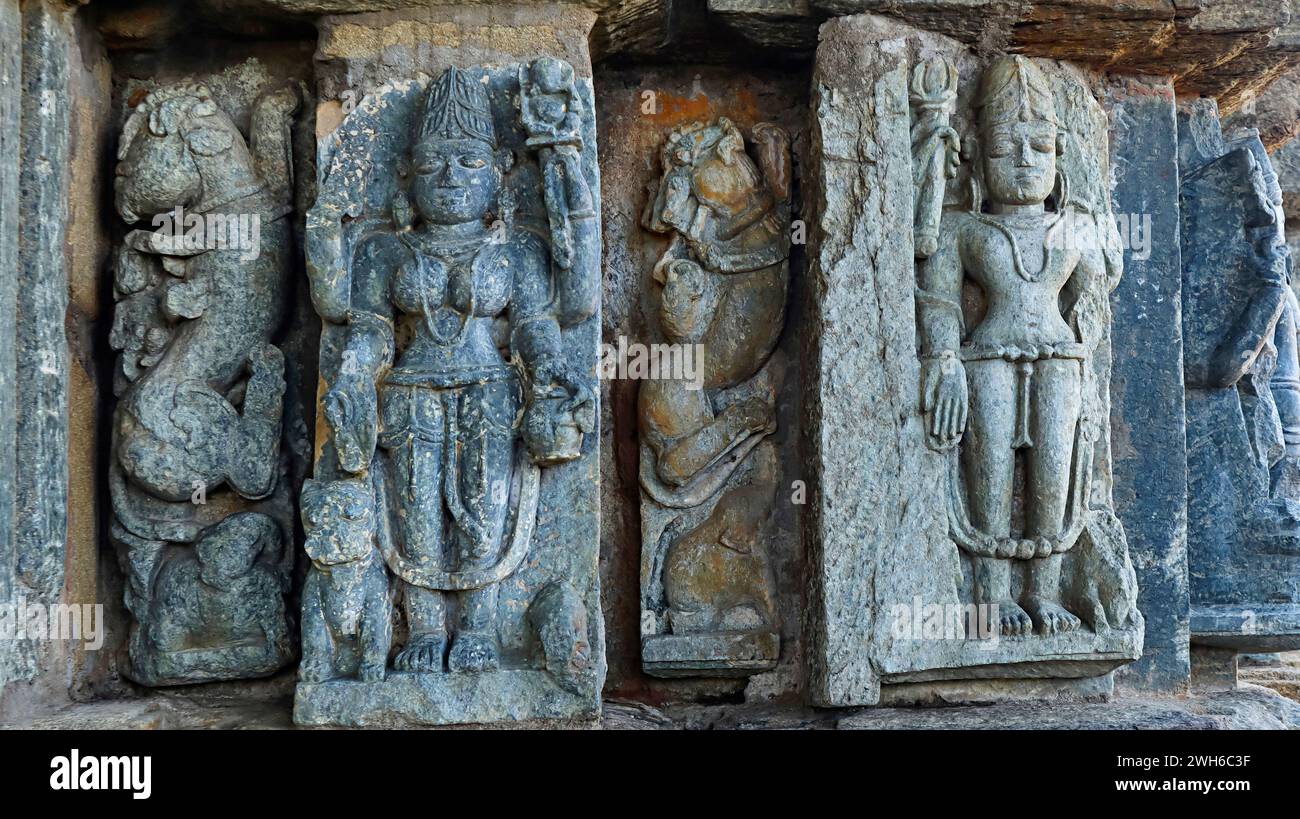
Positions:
{"x": 450, "y": 379}
{"x": 1024, "y": 355}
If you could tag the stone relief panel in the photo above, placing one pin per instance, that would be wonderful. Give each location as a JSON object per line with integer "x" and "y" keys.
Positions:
{"x": 202, "y": 507}
{"x": 1009, "y": 387}
{"x": 707, "y": 474}
{"x": 967, "y": 545}
{"x": 453, "y": 255}
{"x": 1243, "y": 391}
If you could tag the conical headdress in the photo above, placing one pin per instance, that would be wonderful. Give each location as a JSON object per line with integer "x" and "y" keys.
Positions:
{"x": 457, "y": 108}
{"x": 1014, "y": 89}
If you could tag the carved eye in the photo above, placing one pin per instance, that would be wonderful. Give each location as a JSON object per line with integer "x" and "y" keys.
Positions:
{"x": 472, "y": 162}
{"x": 430, "y": 167}
{"x": 1001, "y": 148}
{"x": 1044, "y": 145}
{"x": 354, "y": 511}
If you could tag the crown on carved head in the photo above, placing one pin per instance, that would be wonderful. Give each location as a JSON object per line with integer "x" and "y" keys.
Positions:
{"x": 457, "y": 107}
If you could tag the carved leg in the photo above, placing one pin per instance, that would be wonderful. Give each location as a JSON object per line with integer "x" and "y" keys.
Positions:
{"x": 475, "y": 646}
{"x": 687, "y": 456}
{"x": 988, "y": 464}
{"x": 254, "y": 462}
{"x": 417, "y": 470}
{"x": 426, "y": 616}
{"x": 317, "y": 643}
{"x": 1054, "y": 416}
{"x": 486, "y": 438}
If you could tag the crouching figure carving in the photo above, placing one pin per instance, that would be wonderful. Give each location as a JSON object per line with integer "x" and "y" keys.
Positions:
{"x": 707, "y": 478}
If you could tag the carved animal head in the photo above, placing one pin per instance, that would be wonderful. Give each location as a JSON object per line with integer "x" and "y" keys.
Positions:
{"x": 339, "y": 520}
{"x": 179, "y": 148}
{"x": 705, "y": 164}
{"x": 228, "y": 550}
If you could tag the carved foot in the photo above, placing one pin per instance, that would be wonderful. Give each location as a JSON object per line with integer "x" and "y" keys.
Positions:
{"x": 1013, "y": 619}
{"x": 310, "y": 672}
{"x": 473, "y": 652}
{"x": 1050, "y": 618}
{"x": 374, "y": 672}
{"x": 422, "y": 654}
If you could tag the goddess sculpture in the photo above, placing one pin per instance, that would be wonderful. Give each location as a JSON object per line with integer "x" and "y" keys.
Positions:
{"x": 453, "y": 346}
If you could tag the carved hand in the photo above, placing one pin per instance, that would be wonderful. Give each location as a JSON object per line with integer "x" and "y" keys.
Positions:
{"x": 581, "y": 401}
{"x": 352, "y": 411}
{"x": 944, "y": 399}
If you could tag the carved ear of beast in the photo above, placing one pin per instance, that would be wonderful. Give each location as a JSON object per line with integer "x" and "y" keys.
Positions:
{"x": 209, "y": 141}
{"x": 732, "y": 142}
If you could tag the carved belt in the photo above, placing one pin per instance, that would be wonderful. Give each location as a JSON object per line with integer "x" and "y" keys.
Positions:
{"x": 450, "y": 379}
{"x": 1023, "y": 358}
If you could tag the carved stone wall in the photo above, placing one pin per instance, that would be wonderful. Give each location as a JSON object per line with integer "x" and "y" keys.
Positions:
{"x": 453, "y": 256}
{"x": 984, "y": 348}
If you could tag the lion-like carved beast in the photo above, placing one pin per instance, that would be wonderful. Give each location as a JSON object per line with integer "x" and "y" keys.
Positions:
{"x": 201, "y": 291}
{"x": 346, "y": 610}
{"x": 204, "y": 316}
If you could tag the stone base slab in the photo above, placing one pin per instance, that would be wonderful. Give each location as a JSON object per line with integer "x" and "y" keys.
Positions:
{"x": 1246, "y": 628}
{"x": 404, "y": 700}
{"x": 979, "y": 692}
{"x": 712, "y": 655}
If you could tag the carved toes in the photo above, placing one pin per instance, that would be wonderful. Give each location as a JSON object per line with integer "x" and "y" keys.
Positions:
{"x": 1014, "y": 621}
{"x": 473, "y": 652}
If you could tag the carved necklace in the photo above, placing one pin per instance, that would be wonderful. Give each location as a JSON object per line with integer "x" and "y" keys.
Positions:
{"x": 1049, "y": 246}
{"x": 449, "y": 253}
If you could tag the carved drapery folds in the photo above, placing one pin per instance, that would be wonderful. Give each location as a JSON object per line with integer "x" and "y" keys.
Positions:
{"x": 454, "y": 255}
{"x": 707, "y": 473}
{"x": 202, "y": 509}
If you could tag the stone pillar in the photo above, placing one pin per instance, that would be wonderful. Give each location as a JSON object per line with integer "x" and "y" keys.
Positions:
{"x": 52, "y": 113}
{"x": 458, "y": 371}
{"x": 903, "y": 571}
{"x": 1148, "y": 448}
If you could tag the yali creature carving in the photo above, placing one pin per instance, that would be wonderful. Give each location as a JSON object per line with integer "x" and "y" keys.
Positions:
{"x": 201, "y": 510}
{"x": 720, "y": 288}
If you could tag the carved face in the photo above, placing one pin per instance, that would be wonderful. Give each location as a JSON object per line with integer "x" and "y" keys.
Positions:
{"x": 1265, "y": 217}
{"x": 229, "y": 549}
{"x": 338, "y": 518}
{"x": 157, "y": 174}
{"x": 1020, "y": 162}
{"x": 456, "y": 180}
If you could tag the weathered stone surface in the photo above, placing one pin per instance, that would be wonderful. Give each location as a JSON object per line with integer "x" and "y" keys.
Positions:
{"x": 54, "y": 244}
{"x": 707, "y": 474}
{"x": 454, "y": 237}
{"x": 637, "y": 109}
{"x": 1243, "y": 409}
{"x": 1147, "y": 409}
{"x": 202, "y": 501}
{"x": 883, "y": 553}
